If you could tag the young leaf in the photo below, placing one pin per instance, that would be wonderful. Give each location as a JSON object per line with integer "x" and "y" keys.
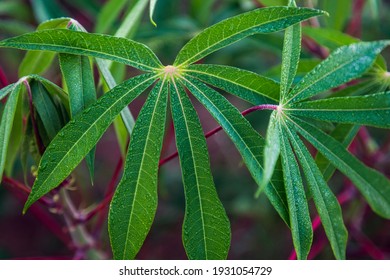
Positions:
{"x": 81, "y": 134}
{"x": 108, "y": 14}
{"x": 326, "y": 203}
{"x": 151, "y": 11}
{"x": 372, "y": 110}
{"x": 343, "y": 65}
{"x": 236, "y": 28}
{"x": 244, "y": 84}
{"x": 206, "y": 228}
{"x": 291, "y": 55}
{"x": 75, "y": 42}
{"x": 132, "y": 19}
{"x": 271, "y": 151}
{"x": 37, "y": 62}
{"x": 134, "y": 204}
{"x": 247, "y": 141}
{"x": 78, "y": 76}
{"x": 374, "y": 186}
{"x": 6, "y": 125}
{"x": 300, "y": 223}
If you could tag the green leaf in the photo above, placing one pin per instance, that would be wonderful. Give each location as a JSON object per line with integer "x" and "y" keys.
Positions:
{"x": 291, "y": 55}
{"x": 246, "y": 85}
{"x": 132, "y": 19}
{"x": 75, "y": 42}
{"x": 46, "y": 109}
{"x": 374, "y": 186}
{"x": 247, "y": 141}
{"x": 343, "y": 65}
{"x": 108, "y": 14}
{"x": 134, "y": 204}
{"x": 344, "y": 133}
{"x": 372, "y": 110}
{"x": 300, "y": 223}
{"x": 81, "y": 134}
{"x": 6, "y": 123}
{"x": 326, "y": 203}
{"x": 37, "y": 62}
{"x": 271, "y": 151}
{"x": 78, "y": 76}
{"x": 206, "y": 228}
{"x": 329, "y": 38}
{"x": 339, "y": 12}
{"x": 236, "y": 28}
{"x": 152, "y": 7}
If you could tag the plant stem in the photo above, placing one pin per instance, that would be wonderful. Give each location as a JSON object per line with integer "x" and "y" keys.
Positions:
{"x": 3, "y": 78}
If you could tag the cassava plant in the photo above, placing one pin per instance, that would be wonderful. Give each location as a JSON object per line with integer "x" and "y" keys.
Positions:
{"x": 64, "y": 124}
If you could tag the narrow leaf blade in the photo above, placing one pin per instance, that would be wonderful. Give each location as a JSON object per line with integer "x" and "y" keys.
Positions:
{"x": 343, "y": 65}
{"x": 80, "y": 43}
{"x": 81, "y": 134}
{"x": 374, "y": 186}
{"x": 206, "y": 228}
{"x": 236, "y": 28}
{"x": 326, "y": 202}
{"x": 300, "y": 223}
{"x": 246, "y": 85}
{"x": 372, "y": 110}
{"x": 134, "y": 204}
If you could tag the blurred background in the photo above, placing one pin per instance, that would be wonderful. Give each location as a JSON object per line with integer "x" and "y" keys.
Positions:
{"x": 257, "y": 231}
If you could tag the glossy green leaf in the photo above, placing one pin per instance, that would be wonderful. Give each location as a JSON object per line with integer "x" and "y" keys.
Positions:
{"x": 236, "y": 28}
{"x": 271, "y": 151}
{"x": 206, "y": 228}
{"x": 291, "y": 55}
{"x": 101, "y": 46}
{"x": 108, "y": 14}
{"x": 300, "y": 223}
{"x": 344, "y": 133}
{"x": 6, "y": 125}
{"x": 247, "y": 141}
{"x": 372, "y": 110}
{"x": 37, "y": 62}
{"x": 134, "y": 204}
{"x": 326, "y": 202}
{"x": 343, "y": 65}
{"x": 244, "y": 84}
{"x": 46, "y": 109}
{"x": 81, "y": 134}
{"x": 78, "y": 75}
{"x": 374, "y": 186}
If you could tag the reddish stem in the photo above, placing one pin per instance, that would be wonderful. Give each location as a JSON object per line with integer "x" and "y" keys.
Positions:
{"x": 3, "y": 78}
{"x": 354, "y": 27}
{"x": 367, "y": 245}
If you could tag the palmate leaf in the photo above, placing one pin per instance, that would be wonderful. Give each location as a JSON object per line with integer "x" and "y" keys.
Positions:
{"x": 374, "y": 186}
{"x": 206, "y": 228}
{"x": 247, "y": 141}
{"x": 249, "y": 86}
{"x": 134, "y": 204}
{"x": 326, "y": 203}
{"x": 231, "y": 30}
{"x": 6, "y": 123}
{"x": 80, "y": 43}
{"x": 372, "y": 110}
{"x": 300, "y": 223}
{"x": 78, "y": 76}
{"x": 343, "y": 65}
{"x": 81, "y": 134}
